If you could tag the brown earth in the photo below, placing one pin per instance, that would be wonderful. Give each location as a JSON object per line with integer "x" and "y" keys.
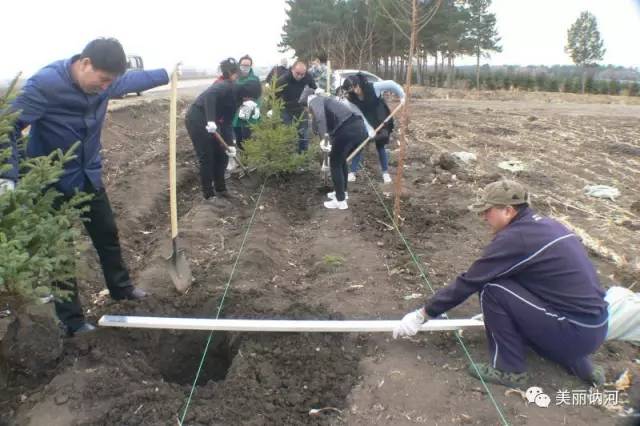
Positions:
{"x": 301, "y": 261}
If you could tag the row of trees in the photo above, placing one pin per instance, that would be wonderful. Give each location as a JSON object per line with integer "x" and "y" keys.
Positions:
{"x": 502, "y": 79}
{"x": 374, "y": 34}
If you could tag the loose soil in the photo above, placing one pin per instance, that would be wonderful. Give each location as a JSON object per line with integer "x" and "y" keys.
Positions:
{"x": 300, "y": 261}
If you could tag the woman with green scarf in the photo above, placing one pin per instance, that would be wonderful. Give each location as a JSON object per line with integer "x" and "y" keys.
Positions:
{"x": 241, "y": 124}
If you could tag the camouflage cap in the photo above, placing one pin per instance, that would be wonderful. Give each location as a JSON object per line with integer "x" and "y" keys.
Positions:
{"x": 501, "y": 193}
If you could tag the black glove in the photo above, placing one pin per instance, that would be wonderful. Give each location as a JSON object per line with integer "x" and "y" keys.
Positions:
{"x": 382, "y": 136}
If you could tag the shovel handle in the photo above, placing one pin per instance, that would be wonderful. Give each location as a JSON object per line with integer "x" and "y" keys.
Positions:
{"x": 173, "y": 107}
{"x": 364, "y": 143}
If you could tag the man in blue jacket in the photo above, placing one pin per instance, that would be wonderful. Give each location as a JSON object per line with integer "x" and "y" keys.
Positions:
{"x": 66, "y": 102}
{"x": 537, "y": 288}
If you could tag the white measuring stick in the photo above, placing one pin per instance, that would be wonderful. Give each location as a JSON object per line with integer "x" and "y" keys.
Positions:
{"x": 292, "y": 326}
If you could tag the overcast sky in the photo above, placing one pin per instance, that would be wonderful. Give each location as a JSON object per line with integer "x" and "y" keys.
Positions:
{"x": 201, "y": 33}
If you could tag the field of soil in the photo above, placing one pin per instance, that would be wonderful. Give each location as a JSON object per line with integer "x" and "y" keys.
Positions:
{"x": 275, "y": 252}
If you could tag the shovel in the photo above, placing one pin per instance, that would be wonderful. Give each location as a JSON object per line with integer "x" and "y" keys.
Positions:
{"x": 364, "y": 143}
{"x": 177, "y": 263}
{"x": 325, "y": 168}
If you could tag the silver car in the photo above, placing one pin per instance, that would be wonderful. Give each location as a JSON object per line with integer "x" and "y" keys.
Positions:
{"x": 339, "y": 76}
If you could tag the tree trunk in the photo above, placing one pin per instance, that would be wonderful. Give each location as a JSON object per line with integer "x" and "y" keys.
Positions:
{"x": 478, "y": 67}
{"x": 33, "y": 341}
{"x": 405, "y": 115}
{"x": 452, "y": 68}
{"x": 393, "y": 52}
{"x": 435, "y": 68}
{"x": 442, "y": 68}
{"x": 584, "y": 78}
{"x": 425, "y": 69}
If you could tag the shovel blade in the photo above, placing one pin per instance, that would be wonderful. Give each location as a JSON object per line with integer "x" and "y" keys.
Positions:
{"x": 179, "y": 271}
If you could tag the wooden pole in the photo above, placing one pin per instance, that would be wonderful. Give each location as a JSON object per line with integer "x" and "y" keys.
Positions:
{"x": 405, "y": 114}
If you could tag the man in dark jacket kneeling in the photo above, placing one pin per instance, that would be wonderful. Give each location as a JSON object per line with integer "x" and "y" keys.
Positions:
{"x": 537, "y": 288}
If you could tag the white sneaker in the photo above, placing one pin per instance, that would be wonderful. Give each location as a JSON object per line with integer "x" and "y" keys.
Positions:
{"x": 386, "y": 177}
{"x": 335, "y": 204}
{"x": 351, "y": 177}
{"x": 332, "y": 195}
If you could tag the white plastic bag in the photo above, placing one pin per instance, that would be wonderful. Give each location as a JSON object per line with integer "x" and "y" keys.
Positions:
{"x": 602, "y": 191}
{"x": 624, "y": 314}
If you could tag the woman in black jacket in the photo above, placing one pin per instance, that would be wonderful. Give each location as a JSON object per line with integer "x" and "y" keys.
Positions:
{"x": 213, "y": 112}
{"x": 368, "y": 98}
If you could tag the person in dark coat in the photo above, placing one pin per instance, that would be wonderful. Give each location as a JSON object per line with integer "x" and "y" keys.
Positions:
{"x": 367, "y": 97}
{"x": 66, "y": 102}
{"x": 292, "y": 84}
{"x": 277, "y": 71}
{"x": 212, "y": 112}
{"x": 537, "y": 289}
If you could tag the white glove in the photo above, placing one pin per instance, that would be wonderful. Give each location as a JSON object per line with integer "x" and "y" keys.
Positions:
{"x": 403, "y": 100}
{"x": 246, "y": 110}
{"x": 409, "y": 325}
{"x": 372, "y": 132}
{"x": 325, "y": 145}
{"x": 319, "y": 92}
{"x": 231, "y": 152}
{"x": 211, "y": 127}
{"x": 256, "y": 113}
{"x": 269, "y": 113}
{"x": 244, "y": 113}
{"x": 6, "y": 185}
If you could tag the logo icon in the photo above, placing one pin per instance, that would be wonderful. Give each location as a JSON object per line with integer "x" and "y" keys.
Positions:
{"x": 536, "y": 395}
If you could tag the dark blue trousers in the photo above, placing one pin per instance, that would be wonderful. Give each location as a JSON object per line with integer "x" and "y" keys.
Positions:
{"x": 515, "y": 318}
{"x": 303, "y": 128}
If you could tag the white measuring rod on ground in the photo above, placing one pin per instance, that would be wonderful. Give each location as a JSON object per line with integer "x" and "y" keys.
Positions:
{"x": 291, "y": 326}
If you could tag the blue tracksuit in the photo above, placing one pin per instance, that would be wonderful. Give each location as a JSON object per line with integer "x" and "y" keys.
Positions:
{"x": 537, "y": 288}
{"x": 60, "y": 114}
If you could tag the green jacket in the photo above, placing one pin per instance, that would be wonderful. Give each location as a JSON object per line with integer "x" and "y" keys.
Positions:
{"x": 240, "y": 81}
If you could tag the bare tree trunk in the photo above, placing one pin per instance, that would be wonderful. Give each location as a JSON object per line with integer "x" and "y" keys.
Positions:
{"x": 478, "y": 67}
{"x": 447, "y": 72}
{"x": 425, "y": 69}
{"x": 393, "y": 52}
{"x": 451, "y": 71}
{"x": 435, "y": 65}
{"x": 584, "y": 78}
{"x": 405, "y": 114}
{"x": 419, "y": 74}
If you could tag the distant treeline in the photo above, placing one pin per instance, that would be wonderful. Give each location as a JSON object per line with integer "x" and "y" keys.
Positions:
{"x": 607, "y": 80}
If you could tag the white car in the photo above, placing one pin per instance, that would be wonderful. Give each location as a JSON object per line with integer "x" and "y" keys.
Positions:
{"x": 339, "y": 76}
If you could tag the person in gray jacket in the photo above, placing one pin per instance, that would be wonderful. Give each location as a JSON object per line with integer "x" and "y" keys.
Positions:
{"x": 341, "y": 131}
